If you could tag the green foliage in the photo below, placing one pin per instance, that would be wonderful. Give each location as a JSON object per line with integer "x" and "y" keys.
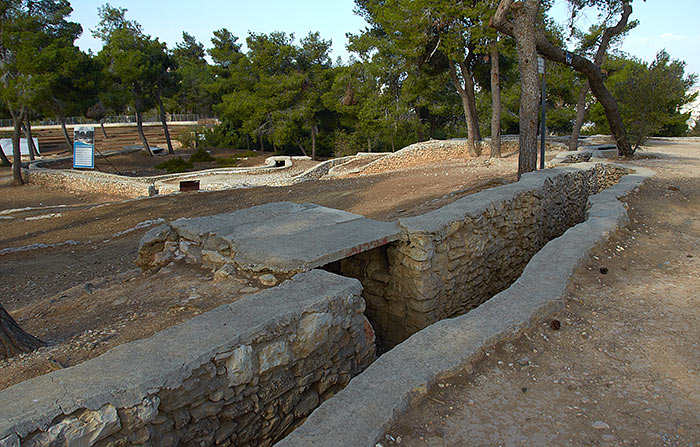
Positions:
{"x": 274, "y": 93}
{"x": 113, "y": 19}
{"x": 227, "y": 162}
{"x": 175, "y": 165}
{"x": 193, "y": 76}
{"x": 649, "y": 97}
{"x": 562, "y": 93}
{"x": 133, "y": 62}
{"x": 200, "y": 155}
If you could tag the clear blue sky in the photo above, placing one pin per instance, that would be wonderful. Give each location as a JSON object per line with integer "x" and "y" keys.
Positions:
{"x": 168, "y": 19}
{"x": 664, "y": 23}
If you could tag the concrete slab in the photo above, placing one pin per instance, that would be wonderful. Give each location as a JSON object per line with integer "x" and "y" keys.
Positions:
{"x": 286, "y": 237}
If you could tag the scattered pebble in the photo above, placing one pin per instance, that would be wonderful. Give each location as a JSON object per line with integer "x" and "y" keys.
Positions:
{"x": 600, "y": 425}
{"x": 268, "y": 279}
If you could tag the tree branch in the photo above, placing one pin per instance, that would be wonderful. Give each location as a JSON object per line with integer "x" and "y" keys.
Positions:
{"x": 612, "y": 32}
{"x": 499, "y": 20}
{"x": 455, "y": 78}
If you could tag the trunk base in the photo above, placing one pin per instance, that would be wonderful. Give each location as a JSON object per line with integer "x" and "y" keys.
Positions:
{"x": 13, "y": 339}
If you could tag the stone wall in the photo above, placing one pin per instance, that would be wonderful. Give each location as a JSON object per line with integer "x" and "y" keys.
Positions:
{"x": 94, "y": 182}
{"x": 452, "y": 259}
{"x": 243, "y": 374}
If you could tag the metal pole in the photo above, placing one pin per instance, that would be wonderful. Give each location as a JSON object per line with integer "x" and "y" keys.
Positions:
{"x": 544, "y": 116}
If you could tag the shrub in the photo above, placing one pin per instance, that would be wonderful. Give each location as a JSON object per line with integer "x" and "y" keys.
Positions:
{"x": 201, "y": 156}
{"x": 175, "y": 165}
{"x": 227, "y": 162}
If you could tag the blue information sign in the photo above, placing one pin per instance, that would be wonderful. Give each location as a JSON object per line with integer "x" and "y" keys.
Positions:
{"x": 84, "y": 147}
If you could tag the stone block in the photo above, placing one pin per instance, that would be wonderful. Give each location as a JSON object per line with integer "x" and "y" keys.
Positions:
{"x": 205, "y": 410}
{"x": 84, "y": 428}
{"x": 192, "y": 252}
{"x": 181, "y": 417}
{"x": 139, "y": 415}
{"x": 312, "y": 332}
{"x": 240, "y": 365}
{"x": 275, "y": 386}
{"x": 272, "y": 355}
{"x": 224, "y": 432}
{"x": 140, "y": 436}
{"x": 214, "y": 258}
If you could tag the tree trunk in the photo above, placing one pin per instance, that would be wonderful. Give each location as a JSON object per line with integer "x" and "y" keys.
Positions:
{"x": 578, "y": 63}
{"x": 419, "y": 130}
{"x": 314, "y": 132}
{"x": 495, "y": 102}
{"x": 29, "y": 142}
{"x": 369, "y": 144}
{"x": 471, "y": 99}
{"x": 69, "y": 143}
{"x": 471, "y": 147}
{"x": 17, "y": 119}
{"x": 33, "y": 151}
{"x": 525, "y": 19}
{"x": 301, "y": 147}
{"x": 13, "y": 340}
{"x": 104, "y": 132}
{"x": 580, "y": 115}
{"x": 161, "y": 110}
{"x": 139, "y": 126}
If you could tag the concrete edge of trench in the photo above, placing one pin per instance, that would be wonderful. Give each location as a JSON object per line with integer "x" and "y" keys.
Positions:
{"x": 361, "y": 413}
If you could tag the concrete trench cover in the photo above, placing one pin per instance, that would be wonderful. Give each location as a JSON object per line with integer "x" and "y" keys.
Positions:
{"x": 287, "y": 237}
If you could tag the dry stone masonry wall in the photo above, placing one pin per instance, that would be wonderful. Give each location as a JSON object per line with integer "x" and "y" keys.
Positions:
{"x": 452, "y": 259}
{"x": 95, "y": 182}
{"x": 243, "y": 374}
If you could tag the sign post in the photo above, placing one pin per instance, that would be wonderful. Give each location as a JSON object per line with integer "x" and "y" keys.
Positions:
{"x": 84, "y": 147}
{"x": 541, "y": 70}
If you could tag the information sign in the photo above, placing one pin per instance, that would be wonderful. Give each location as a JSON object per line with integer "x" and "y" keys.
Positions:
{"x": 84, "y": 147}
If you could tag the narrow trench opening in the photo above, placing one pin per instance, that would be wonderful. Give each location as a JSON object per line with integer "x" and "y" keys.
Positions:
{"x": 374, "y": 269}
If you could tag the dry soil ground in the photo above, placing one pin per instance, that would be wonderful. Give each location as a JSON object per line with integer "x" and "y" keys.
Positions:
{"x": 64, "y": 291}
{"x": 623, "y": 369}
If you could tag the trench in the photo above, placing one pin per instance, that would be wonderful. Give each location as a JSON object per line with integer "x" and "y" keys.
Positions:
{"x": 428, "y": 276}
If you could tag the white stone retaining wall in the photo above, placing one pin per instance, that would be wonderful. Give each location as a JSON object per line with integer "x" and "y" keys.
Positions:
{"x": 94, "y": 182}
{"x": 243, "y": 374}
{"x": 40, "y": 173}
{"x": 451, "y": 260}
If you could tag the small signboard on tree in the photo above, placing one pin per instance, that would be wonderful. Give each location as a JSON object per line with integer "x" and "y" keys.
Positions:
{"x": 84, "y": 147}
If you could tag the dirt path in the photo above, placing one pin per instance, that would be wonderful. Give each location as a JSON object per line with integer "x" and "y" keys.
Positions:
{"x": 624, "y": 369}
